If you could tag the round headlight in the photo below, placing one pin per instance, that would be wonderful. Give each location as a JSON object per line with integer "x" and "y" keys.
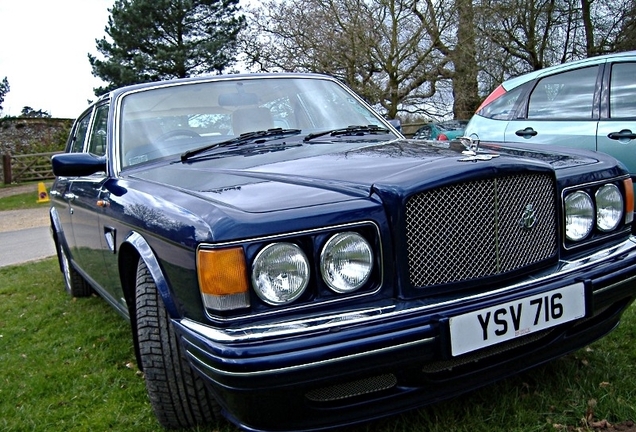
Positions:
{"x": 579, "y": 216}
{"x": 609, "y": 207}
{"x": 346, "y": 262}
{"x": 280, "y": 273}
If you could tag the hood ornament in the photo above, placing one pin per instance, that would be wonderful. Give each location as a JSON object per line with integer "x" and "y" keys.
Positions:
{"x": 472, "y": 150}
{"x": 471, "y": 144}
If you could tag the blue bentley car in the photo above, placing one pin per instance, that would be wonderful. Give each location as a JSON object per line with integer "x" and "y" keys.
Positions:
{"x": 289, "y": 261}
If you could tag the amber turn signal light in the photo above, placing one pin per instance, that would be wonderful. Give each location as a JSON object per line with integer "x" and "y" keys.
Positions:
{"x": 223, "y": 281}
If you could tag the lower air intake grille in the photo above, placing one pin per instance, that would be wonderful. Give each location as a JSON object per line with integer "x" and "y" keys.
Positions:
{"x": 352, "y": 388}
{"x": 480, "y": 228}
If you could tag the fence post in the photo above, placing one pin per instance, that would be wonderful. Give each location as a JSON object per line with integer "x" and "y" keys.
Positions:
{"x": 6, "y": 168}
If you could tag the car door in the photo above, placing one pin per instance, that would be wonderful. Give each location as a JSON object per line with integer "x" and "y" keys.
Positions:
{"x": 61, "y": 196}
{"x": 617, "y": 129}
{"x": 94, "y": 236}
{"x": 87, "y": 204}
{"x": 561, "y": 109}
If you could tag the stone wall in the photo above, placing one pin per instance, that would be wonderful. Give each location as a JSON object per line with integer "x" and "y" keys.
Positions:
{"x": 23, "y": 135}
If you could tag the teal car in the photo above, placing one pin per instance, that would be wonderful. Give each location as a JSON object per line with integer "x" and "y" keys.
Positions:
{"x": 588, "y": 104}
{"x": 443, "y": 131}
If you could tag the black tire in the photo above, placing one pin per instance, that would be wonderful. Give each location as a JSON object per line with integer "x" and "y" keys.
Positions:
{"x": 178, "y": 396}
{"x": 75, "y": 284}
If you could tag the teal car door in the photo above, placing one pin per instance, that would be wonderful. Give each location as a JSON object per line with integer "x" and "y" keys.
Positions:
{"x": 617, "y": 129}
{"x": 562, "y": 109}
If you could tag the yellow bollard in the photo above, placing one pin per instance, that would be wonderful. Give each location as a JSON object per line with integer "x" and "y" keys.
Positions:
{"x": 43, "y": 194}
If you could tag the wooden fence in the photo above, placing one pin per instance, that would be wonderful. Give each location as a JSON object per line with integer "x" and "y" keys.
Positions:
{"x": 27, "y": 167}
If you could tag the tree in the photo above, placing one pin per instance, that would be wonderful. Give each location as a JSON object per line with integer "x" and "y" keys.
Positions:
{"x": 517, "y": 36}
{"x": 4, "y": 89}
{"x": 627, "y": 39}
{"x": 526, "y": 30}
{"x": 377, "y": 47}
{"x": 152, "y": 40}
{"x": 431, "y": 57}
{"x": 612, "y": 24}
{"x": 27, "y": 111}
{"x": 452, "y": 34}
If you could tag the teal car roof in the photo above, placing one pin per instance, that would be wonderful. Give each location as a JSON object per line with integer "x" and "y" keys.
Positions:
{"x": 522, "y": 79}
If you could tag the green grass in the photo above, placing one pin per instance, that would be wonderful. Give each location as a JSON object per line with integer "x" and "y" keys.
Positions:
{"x": 21, "y": 201}
{"x": 66, "y": 367}
{"x": 64, "y": 361}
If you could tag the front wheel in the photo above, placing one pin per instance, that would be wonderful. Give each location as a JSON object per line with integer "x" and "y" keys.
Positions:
{"x": 178, "y": 396}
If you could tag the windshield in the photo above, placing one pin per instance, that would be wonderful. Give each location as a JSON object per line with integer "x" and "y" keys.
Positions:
{"x": 173, "y": 119}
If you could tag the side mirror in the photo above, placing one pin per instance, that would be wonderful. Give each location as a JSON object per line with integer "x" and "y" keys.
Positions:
{"x": 77, "y": 164}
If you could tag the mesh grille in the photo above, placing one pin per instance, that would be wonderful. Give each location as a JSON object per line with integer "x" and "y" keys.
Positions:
{"x": 353, "y": 388}
{"x": 473, "y": 230}
{"x": 471, "y": 358}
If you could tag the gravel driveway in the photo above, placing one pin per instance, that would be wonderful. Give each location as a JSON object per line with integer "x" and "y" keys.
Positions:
{"x": 14, "y": 220}
{"x": 24, "y": 234}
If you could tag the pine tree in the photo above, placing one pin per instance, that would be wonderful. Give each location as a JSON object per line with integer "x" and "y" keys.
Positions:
{"x": 153, "y": 40}
{"x": 4, "y": 89}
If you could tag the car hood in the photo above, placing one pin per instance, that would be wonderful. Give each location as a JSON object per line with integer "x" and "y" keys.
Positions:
{"x": 278, "y": 177}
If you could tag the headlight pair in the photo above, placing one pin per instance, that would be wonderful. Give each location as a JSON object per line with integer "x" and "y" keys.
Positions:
{"x": 582, "y": 212}
{"x": 281, "y": 271}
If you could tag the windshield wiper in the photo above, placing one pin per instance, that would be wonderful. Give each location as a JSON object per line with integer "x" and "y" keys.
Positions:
{"x": 241, "y": 139}
{"x": 349, "y": 130}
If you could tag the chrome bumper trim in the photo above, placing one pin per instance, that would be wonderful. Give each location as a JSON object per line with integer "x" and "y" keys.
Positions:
{"x": 313, "y": 324}
{"x": 311, "y": 364}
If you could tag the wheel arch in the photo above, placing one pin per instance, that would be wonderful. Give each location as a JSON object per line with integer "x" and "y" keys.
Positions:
{"x": 58, "y": 234}
{"x": 134, "y": 248}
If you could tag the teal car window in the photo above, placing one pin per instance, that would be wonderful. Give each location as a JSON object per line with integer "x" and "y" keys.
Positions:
{"x": 623, "y": 91}
{"x": 503, "y": 107}
{"x": 569, "y": 95}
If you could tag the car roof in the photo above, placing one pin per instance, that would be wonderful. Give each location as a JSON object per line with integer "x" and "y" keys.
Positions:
{"x": 212, "y": 78}
{"x": 206, "y": 78}
{"x": 522, "y": 79}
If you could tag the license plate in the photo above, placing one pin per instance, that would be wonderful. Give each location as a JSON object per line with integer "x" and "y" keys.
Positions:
{"x": 490, "y": 326}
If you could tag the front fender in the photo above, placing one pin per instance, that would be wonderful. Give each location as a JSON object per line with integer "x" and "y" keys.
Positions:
{"x": 57, "y": 232}
{"x": 56, "y": 224}
{"x": 142, "y": 247}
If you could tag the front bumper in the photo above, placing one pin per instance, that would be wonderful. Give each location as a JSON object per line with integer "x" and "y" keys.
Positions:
{"x": 320, "y": 372}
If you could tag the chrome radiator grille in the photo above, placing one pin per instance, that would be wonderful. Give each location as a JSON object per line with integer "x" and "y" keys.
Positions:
{"x": 472, "y": 230}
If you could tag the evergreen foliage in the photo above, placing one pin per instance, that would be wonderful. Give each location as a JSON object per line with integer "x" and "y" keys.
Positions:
{"x": 27, "y": 111}
{"x": 4, "y": 89}
{"x": 151, "y": 40}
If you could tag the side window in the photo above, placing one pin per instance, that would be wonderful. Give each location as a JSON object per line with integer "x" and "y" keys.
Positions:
{"x": 504, "y": 106}
{"x": 79, "y": 134}
{"x": 568, "y": 95}
{"x": 623, "y": 91}
{"x": 97, "y": 141}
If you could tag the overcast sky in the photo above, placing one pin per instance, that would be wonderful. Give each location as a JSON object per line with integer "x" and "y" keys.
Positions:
{"x": 43, "y": 53}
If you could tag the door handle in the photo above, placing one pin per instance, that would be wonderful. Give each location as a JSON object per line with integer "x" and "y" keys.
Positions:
{"x": 69, "y": 196}
{"x": 526, "y": 133}
{"x": 624, "y": 134}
